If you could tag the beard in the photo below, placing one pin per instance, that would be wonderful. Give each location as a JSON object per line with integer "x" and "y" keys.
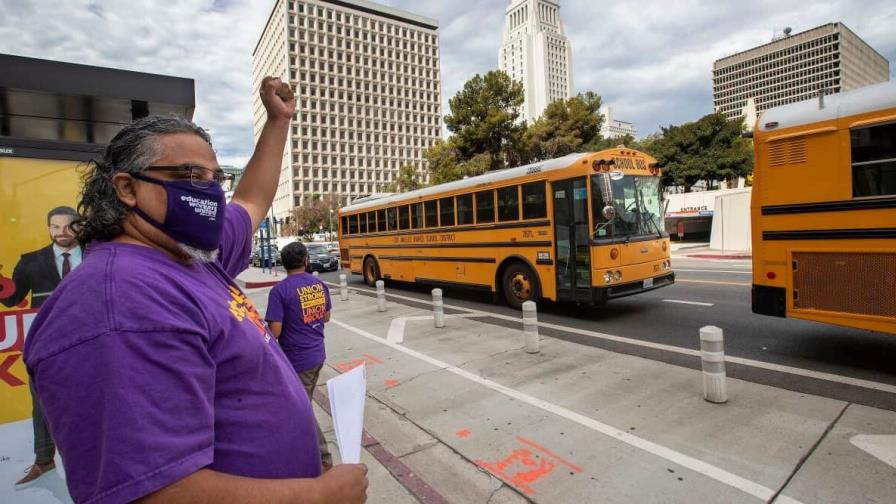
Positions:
{"x": 199, "y": 255}
{"x": 64, "y": 241}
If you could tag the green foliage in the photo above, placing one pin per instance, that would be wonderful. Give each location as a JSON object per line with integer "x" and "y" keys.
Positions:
{"x": 313, "y": 216}
{"x": 485, "y": 119}
{"x": 566, "y": 126}
{"x": 408, "y": 180}
{"x": 710, "y": 149}
{"x": 443, "y": 161}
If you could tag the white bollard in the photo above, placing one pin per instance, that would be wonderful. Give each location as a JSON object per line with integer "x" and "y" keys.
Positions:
{"x": 530, "y": 327}
{"x": 343, "y": 288}
{"x": 438, "y": 308}
{"x": 712, "y": 355}
{"x": 315, "y": 273}
{"x": 380, "y": 296}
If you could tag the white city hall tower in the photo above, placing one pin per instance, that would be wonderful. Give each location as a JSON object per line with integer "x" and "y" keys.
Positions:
{"x": 537, "y": 53}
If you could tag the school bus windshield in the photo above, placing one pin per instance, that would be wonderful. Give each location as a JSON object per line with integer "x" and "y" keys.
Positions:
{"x": 625, "y": 205}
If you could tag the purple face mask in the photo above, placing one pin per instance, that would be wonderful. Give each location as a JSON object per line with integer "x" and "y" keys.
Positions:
{"x": 195, "y": 215}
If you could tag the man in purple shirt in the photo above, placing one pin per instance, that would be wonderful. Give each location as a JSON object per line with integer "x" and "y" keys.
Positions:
{"x": 159, "y": 380}
{"x": 298, "y": 308}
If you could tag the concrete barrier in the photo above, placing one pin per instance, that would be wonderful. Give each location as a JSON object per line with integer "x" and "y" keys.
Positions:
{"x": 712, "y": 356}
{"x": 380, "y": 296}
{"x": 438, "y": 308}
{"x": 530, "y": 327}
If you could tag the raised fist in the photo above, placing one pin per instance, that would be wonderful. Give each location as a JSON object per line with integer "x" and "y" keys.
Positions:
{"x": 278, "y": 98}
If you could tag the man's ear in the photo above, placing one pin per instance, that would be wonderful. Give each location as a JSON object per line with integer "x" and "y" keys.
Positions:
{"x": 125, "y": 189}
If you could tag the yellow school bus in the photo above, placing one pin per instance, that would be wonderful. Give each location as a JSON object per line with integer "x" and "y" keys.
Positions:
{"x": 824, "y": 210}
{"x": 582, "y": 228}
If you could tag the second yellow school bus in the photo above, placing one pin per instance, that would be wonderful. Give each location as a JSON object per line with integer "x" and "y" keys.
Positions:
{"x": 582, "y": 228}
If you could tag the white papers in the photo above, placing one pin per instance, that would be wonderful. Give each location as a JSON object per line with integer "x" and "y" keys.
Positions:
{"x": 347, "y": 393}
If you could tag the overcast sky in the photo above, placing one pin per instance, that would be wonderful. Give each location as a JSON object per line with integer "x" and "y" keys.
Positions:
{"x": 649, "y": 59}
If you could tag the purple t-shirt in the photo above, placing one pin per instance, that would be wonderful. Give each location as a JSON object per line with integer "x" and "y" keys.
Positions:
{"x": 149, "y": 370}
{"x": 300, "y": 302}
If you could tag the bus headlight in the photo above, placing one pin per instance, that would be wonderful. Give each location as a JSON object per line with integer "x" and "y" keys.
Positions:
{"x": 617, "y": 276}
{"x": 608, "y": 277}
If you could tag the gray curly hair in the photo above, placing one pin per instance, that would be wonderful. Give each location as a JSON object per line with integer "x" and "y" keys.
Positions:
{"x": 132, "y": 150}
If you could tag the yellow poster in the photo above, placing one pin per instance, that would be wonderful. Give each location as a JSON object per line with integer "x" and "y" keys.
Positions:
{"x": 37, "y": 201}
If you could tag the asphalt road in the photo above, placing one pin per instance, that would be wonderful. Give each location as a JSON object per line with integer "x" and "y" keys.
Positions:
{"x": 721, "y": 290}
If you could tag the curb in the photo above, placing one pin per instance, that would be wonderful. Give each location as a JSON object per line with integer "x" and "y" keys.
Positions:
{"x": 419, "y": 488}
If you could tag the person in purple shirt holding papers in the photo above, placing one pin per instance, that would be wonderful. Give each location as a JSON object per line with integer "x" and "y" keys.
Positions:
{"x": 298, "y": 308}
{"x": 159, "y": 380}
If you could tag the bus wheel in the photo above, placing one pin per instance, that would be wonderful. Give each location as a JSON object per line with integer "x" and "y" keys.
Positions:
{"x": 519, "y": 284}
{"x": 371, "y": 271}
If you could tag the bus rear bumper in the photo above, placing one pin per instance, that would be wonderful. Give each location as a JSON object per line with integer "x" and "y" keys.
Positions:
{"x": 769, "y": 300}
{"x": 602, "y": 294}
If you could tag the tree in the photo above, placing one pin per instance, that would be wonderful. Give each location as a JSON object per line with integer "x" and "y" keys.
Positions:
{"x": 566, "y": 126}
{"x": 443, "y": 162}
{"x": 484, "y": 119}
{"x": 710, "y": 149}
{"x": 408, "y": 180}
{"x": 311, "y": 217}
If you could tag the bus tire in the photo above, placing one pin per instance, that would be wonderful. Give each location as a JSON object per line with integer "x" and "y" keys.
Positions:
{"x": 519, "y": 284}
{"x": 371, "y": 271}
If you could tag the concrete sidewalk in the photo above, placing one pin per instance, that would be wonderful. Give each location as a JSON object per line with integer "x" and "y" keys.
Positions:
{"x": 576, "y": 423}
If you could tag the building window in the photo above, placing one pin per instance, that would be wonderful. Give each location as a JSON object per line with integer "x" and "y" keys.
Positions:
{"x": 874, "y": 160}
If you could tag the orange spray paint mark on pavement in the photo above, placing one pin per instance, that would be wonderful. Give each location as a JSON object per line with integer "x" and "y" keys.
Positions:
{"x": 391, "y": 383}
{"x": 463, "y": 433}
{"x": 346, "y": 366}
{"x": 526, "y": 465}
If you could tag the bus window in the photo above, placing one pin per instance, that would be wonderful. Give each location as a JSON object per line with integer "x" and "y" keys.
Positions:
{"x": 381, "y": 220}
{"x": 362, "y": 226}
{"x": 392, "y": 218}
{"x": 509, "y": 204}
{"x": 446, "y": 212}
{"x": 353, "y": 224}
{"x": 345, "y": 225}
{"x": 371, "y": 222}
{"x": 534, "y": 206}
{"x": 432, "y": 213}
{"x": 873, "y": 160}
{"x": 417, "y": 216}
{"x": 403, "y": 217}
{"x": 485, "y": 207}
{"x": 464, "y": 209}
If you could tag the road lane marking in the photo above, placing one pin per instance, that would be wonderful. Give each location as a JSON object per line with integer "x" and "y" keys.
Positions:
{"x": 717, "y": 473}
{"x": 680, "y": 301}
{"x": 396, "y": 327}
{"x": 739, "y": 272}
{"x": 714, "y": 282}
{"x": 807, "y": 373}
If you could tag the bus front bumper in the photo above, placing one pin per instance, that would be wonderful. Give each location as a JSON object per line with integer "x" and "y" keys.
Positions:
{"x": 602, "y": 294}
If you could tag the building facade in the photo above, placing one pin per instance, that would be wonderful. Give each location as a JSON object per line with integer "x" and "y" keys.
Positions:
{"x": 536, "y": 52}
{"x": 791, "y": 68}
{"x": 368, "y": 93}
{"x": 614, "y": 128}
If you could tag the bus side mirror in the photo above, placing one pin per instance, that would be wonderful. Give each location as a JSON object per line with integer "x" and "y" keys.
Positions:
{"x": 609, "y": 212}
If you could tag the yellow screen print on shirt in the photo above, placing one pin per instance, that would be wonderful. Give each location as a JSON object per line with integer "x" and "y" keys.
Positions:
{"x": 313, "y": 301}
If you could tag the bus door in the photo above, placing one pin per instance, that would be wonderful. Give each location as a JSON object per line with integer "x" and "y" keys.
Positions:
{"x": 571, "y": 235}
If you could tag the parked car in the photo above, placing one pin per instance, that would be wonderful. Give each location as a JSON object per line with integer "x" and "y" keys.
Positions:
{"x": 271, "y": 251}
{"x": 333, "y": 247}
{"x": 320, "y": 259}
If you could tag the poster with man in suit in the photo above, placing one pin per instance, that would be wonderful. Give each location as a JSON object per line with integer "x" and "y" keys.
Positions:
{"x": 39, "y": 272}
